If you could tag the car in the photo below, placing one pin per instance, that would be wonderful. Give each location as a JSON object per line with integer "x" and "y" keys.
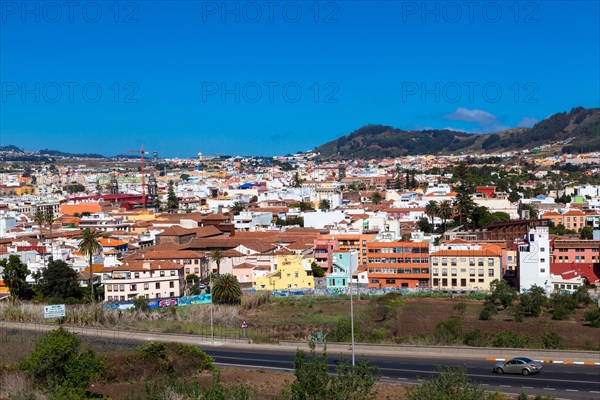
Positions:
{"x": 518, "y": 365}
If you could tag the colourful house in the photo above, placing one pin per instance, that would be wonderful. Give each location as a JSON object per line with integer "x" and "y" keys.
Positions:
{"x": 344, "y": 263}
{"x": 292, "y": 272}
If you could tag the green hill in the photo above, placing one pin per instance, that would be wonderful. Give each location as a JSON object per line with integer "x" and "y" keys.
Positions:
{"x": 574, "y": 132}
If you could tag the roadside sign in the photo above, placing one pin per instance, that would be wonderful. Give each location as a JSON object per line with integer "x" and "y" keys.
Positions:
{"x": 54, "y": 311}
{"x": 244, "y": 325}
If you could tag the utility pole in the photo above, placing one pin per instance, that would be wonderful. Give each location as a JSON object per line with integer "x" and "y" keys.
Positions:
{"x": 351, "y": 312}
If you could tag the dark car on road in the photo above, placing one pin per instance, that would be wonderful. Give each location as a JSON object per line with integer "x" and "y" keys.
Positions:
{"x": 518, "y": 365}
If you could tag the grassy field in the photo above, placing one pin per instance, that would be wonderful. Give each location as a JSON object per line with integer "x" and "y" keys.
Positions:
{"x": 383, "y": 319}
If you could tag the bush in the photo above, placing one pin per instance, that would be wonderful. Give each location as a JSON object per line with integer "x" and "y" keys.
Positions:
{"x": 552, "y": 340}
{"x": 341, "y": 331}
{"x": 582, "y": 296}
{"x": 58, "y": 361}
{"x": 476, "y": 338}
{"x": 449, "y": 384}
{"x": 460, "y": 308}
{"x": 561, "y": 313}
{"x": 449, "y": 331}
{"x": 511, "y": 339}
{"x": 593, "y": 317}
{"x": 313, "y": 382}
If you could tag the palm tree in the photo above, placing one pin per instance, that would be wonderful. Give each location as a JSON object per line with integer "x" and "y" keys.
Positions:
{"x": 445, "y": 211}
{"x": 216, "y": 257}
{"x": 90, "y": 245}
{"x": 432, "y": 209}
{"x": 40, "y": 219}
{"x": 376, "y": 198}
{"x": 227, "y": 290}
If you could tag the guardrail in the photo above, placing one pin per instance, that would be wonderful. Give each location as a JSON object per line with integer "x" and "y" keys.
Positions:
{"x": 458, "y": 351}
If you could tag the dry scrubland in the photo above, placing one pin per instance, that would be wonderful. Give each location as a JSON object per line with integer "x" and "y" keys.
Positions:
{"x": 386, "y": 319}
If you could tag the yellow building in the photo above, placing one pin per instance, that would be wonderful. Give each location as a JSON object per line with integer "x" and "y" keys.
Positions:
{"x": 293, "y": 272}
{"x": 466, "y": 269}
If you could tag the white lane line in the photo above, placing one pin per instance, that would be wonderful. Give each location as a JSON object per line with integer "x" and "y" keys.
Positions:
{"x": 549, "y": 389}
{"x": 594, "y": 391}
{"x": 571, "y": 390}
{"x": 403, "y": 379}
{"x": 527, "y": 387}
{"x": 505, "y": 386}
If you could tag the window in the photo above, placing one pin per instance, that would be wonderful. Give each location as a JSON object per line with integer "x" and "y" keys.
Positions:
{"x": 108, "y": 288}
{"x": 157, "y": 286}
{"x": 136, "y": 274}
{"x": 133, "y": 287}
{"x": 480, "y": 272}
{"x": 162, "y": 273}
{"x": 173, "y": 273}
{"x": 453, "y": 262}
{"x": 490, "y": 262}
{"x": 453, "y": 272}
{"x": 434, "y": 261}
{"x": 471, "y": 262}
{"x": 454, "y": 282}
{"x": 375, "y": 281}
{"x": 122, "y": 288}
{"x": 491, "y": 272}
{"x": 472, "y": 271}
{"x": 172, "y": 284}
{"x": 444, "y": 261}
{"x": 146, "y": 286}
{"x": 542, "y": 260}
{"x": 480, "y": 262}
{"x": 444, "y": 271}
{"x": 390, "y": 281}
{"x": 110, "y": 298}
{"x": 171, "y": 294}
{"x": 434, "y": 271}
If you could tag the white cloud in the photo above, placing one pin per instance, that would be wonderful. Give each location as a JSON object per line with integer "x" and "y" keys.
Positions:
{"x": 487, "y": 122}
{"x": 527, "y": 122}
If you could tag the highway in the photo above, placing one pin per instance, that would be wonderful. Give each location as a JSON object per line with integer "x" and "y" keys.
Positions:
{"x": 557, "y": 380}
{"x": 561, "y": 381}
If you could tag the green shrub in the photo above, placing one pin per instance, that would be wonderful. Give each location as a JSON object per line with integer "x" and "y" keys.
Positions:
{"x": 552, "y": 340}
{"x": 593, "y": 317}
{"x": 449, "y": 384}
{"x": 460, "y": 308}
{"x": 511, "y": 339}
{"x": 59, "y": 363}
{"x": 153, "y": 350}
{"x": 476, "y": 338}
{"x": 485, "y": 315}
{"x": 313, "y": 382}
{"x": 449, "y": 331}
{"x": 560, "y": 312}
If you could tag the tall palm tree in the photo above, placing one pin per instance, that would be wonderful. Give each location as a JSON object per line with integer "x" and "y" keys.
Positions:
{"x": 431, "y": 210}
{"x": 227, "y": 290}
{"x": 40, "y": 219}
{"x": 445, "y": 211}
{"x": 90, "y": 245}
{"x": 216, "y": 256}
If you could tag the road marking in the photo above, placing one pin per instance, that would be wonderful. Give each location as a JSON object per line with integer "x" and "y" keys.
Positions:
{"x": 403, "y": 379}
{"x": 571, "y": 390}
{"x": 549, "y": 389}
{"x": 505, "y": 386}
{"x": 527, "y": 387}
{"x": 594, "y": 391}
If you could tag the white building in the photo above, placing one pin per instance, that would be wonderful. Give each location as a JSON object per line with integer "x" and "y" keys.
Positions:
{"x": 252, "y": 221}
{"x": 534, "y": 260}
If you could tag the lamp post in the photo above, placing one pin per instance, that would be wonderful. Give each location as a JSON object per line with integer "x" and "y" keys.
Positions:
{"x": 351, "y": 312}
{"x": 212, "y": 328}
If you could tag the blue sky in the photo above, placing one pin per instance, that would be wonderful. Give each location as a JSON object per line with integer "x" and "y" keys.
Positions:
{"x": 274, "y": 77}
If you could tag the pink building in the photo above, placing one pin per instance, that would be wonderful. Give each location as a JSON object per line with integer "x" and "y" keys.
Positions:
{"x": 575, "y": 251}
{"x": 323, "y": 252}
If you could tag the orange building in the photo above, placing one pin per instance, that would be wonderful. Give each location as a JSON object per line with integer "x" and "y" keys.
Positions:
{"x": 349, "y": 241}
{"x": 398, "y": 264}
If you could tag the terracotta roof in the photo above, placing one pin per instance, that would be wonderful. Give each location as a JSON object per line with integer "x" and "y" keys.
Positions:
{"x": 168, "y": 255}
{"x": 176, "y": 230}
{"x": 151, "y": 265}
{"x": 244, "y": 266}
{"x": 111, "y": 242}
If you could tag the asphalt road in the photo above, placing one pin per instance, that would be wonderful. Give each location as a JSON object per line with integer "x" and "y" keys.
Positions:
{"x": 561, "y": 381}
{"x": 557, "y": 380}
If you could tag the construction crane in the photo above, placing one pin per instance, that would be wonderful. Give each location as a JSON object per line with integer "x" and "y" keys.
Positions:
{"x": 142, "y": 153}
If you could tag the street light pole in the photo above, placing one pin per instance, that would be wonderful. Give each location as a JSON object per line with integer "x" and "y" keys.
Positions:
{"x": 212, "y": 328}
{"x": 351, "y": 314}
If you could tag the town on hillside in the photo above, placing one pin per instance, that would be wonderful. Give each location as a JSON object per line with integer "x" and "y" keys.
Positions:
{"x": 159, "y": 229}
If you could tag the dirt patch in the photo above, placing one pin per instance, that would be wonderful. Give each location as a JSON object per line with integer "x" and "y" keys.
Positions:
{"x": 268, "y": 385}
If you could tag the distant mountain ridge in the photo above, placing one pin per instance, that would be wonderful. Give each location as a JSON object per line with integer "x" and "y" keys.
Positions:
{"x": 576, "y": 131}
